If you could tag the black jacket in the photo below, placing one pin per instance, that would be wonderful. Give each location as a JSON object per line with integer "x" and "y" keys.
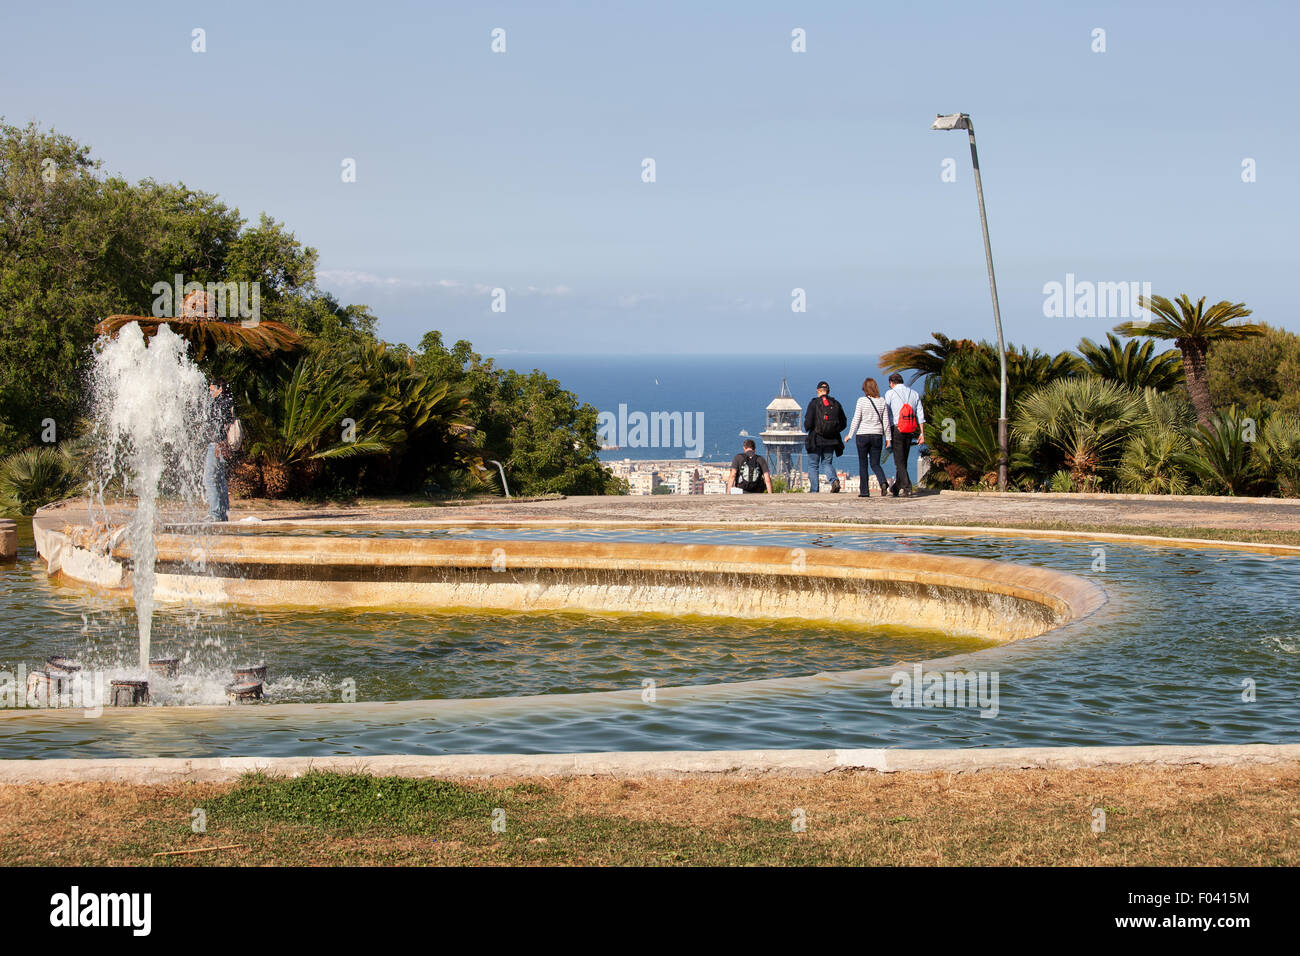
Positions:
{"x": 816, "y": 409}
{"x": 221, "y": 412}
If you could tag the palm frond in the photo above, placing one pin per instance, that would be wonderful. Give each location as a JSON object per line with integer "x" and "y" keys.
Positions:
{"x": 205, "y": 334}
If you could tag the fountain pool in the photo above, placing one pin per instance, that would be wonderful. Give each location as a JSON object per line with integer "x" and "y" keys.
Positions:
{"x": 1169, "y": 658}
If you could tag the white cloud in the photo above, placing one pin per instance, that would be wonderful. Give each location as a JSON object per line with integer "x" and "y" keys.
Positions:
{"x": 355, "y": 279}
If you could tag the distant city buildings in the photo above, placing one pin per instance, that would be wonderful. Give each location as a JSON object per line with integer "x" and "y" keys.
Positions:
{"x": 783, "y": 447}
{"x": 651, "y": 477}
{"x": 682, "y": 476}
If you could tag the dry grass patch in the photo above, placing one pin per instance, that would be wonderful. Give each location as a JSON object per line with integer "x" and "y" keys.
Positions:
{"x": 1247, "y": 815}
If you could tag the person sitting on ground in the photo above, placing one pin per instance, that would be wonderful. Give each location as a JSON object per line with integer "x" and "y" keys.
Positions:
{"x": 871, "y": 422}
{"x": 823, "y": 420}
{"x": 907, "y": 425}
{"x": 749, "y": 471}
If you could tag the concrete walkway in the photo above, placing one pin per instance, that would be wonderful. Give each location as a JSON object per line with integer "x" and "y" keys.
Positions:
{"x": 1134, "y": 512}
{"x": 953, "y": 508}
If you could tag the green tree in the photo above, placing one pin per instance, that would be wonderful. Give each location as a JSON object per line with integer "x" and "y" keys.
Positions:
{"x": 77, "y": 246}
{"x": 928, "y": 358}
{"x": 1259, "y": 371}
{"x": 291, "y": 435}
{"x": 543, "y": 435}
{"x": 1133, "y": 363}
{"x": 38, "y": 475}
{"x": 1194, "y": 329}
{"x": 967, "y": 391}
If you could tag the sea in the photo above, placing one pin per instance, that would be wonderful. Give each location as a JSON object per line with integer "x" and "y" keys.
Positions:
{"x": 727, "y": 394}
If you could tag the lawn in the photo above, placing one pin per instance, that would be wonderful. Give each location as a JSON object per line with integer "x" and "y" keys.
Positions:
{"x": 1247, "y": 815}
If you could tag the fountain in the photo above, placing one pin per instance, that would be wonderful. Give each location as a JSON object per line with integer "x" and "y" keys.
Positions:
{"x": 146, "y": 396}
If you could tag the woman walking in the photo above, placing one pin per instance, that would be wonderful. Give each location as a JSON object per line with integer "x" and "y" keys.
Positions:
{"x": 870, "y": 428}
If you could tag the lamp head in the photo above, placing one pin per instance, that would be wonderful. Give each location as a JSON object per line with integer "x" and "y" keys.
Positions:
{"x": 951, "y": 121}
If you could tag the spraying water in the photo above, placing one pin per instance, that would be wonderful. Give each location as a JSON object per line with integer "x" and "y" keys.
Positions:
{"x": 149, "y": 402}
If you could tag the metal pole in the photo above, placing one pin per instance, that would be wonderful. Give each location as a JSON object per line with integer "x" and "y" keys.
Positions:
{"x": 1003, "y": 447}
{"x": 504, "y": 486}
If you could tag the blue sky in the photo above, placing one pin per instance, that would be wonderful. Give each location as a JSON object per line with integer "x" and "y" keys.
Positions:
{"x": 774, "y": 169}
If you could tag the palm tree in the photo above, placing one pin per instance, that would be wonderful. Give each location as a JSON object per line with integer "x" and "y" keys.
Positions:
{"x": 1193, "y": 328}
{"x": 926, "y": 359}
{"x": 972, "y": 455}
{"x": 1222, "y": 457}
{"x": 1153, "y": 462}
{"x": 1132, "y": 363}
{"x": 424, "y": 421}
{"x": 1085, "y": 419}
{"x": 38, "y": 475}
{"x": 303, "y": 424}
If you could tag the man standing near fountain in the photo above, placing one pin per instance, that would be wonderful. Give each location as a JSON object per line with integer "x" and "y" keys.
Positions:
{"x": 823, "y": 420}
{"x": 221, "y": 414}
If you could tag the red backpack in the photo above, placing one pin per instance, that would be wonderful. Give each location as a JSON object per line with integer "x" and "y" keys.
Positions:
{"x": 907, "y": 419}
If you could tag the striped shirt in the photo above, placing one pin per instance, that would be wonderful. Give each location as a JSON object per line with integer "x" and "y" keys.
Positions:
{"x": 873, "y": 415}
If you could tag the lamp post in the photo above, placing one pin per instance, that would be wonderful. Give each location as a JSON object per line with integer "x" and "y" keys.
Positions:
{"x": 963, "y": 121}
{"x": 500, "y": 468}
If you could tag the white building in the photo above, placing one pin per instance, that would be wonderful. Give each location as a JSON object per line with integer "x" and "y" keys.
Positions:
{"x": 784, "y": 436}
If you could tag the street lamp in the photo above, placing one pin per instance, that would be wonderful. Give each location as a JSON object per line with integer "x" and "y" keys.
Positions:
{"x": 962, "y": 121}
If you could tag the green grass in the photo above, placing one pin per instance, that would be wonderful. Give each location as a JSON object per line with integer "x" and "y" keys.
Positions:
{"x": 352, "y": 802}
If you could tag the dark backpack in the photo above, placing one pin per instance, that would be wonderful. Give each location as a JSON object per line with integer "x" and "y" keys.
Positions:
{"x": 749, "y": 474}
{"x": 829, "y": 416}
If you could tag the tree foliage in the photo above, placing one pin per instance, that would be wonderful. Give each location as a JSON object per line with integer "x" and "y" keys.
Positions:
{"x": 1194, "y": 329}
{"x": 1259, "y": 371}
{"x": 80, "y": 249}
{"x": 1133, "y": 364}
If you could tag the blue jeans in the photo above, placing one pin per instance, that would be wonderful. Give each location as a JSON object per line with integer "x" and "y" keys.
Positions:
{"x": 869, "y": 449}
{"x": 214, "y": 485}
{"x": 815, "y": 461}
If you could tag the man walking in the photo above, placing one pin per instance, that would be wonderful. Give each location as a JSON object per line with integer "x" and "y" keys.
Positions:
{"x": 907, "y": 420}
{"x": 749, "y": 471}
{"x": 823, "y": 420}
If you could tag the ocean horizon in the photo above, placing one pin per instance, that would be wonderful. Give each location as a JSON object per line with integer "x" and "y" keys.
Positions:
{"x": 730, "y": 392}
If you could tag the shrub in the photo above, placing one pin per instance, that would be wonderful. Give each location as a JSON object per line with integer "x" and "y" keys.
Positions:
{"x": 1279, "y": 453}
{"x": 37, "y": 476}
{"x": 1222, "y": 454}
{"x": 1152, "y": 463}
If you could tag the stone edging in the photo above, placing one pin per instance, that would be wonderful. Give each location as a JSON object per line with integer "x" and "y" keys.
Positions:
{"x": 153, "y": 771}
{"x": 1104, "y": 496}
{"x": 762, "y": 525}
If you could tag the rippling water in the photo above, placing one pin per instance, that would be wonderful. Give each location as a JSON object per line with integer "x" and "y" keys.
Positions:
{"x": 1185, "y": 635}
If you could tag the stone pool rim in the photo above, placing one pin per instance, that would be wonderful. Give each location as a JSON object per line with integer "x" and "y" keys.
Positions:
{"x": 150, "y": 771}
{"x": 995, "y": 600}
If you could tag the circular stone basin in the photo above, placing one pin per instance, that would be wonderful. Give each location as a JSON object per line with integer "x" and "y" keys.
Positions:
{"x": 993, "y": 600}
{"x": 1163, "y": 661}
